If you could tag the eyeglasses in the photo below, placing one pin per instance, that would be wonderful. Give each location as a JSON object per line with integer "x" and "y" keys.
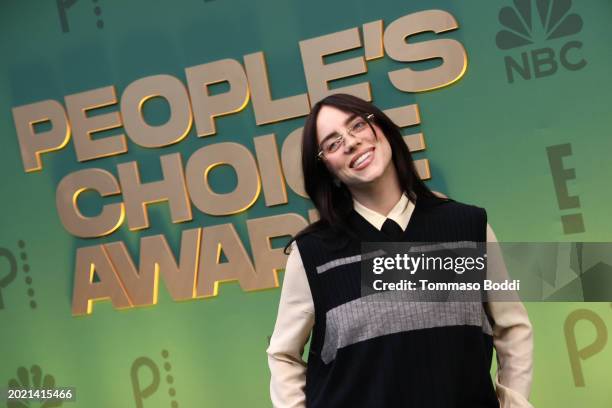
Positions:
{"x": 359, "y": 128}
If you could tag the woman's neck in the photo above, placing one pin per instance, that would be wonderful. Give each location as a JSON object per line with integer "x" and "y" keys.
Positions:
{"x": 380, "y": 195}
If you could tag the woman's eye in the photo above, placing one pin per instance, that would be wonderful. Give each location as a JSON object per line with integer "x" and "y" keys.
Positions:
{"x": 359, "y": 126}
{"x": 334, "y": 145}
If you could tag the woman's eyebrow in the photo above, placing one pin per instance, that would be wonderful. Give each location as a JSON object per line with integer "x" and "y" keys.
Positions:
{"x": 334, "y": 133}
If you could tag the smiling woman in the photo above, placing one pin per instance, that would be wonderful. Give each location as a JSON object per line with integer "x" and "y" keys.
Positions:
{"x": 366, "y": 351}
{"x": 331, "y": 178}
{"x": 360, "y": 161}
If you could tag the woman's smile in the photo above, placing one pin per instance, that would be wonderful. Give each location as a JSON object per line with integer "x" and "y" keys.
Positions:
{"x": 361, "y": 160}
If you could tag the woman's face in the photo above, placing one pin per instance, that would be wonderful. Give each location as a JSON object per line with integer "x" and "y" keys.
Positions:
{"x": 363, "y": 158}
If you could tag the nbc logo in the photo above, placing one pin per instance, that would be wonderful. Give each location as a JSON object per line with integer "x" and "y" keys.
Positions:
{"x": 535, "y": 21}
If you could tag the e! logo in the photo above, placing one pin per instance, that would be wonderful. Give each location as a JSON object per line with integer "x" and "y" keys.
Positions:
{"x": 144, "y": 367}
{"x": 572, "y": 223}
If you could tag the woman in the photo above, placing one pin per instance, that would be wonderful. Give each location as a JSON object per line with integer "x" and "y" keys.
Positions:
{"x": 361, "y": 178}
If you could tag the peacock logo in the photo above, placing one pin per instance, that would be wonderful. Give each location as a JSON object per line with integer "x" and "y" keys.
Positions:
{"x": 533, "y": 21}
{"x": 536, "y": 21}
{"x": 32, "y": 379}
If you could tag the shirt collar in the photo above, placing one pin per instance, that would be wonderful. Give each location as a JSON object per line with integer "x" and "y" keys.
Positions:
{"x": 400, "y": 213}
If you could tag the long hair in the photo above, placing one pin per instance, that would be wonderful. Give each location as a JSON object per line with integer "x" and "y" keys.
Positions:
{"x": 335, "y": 203}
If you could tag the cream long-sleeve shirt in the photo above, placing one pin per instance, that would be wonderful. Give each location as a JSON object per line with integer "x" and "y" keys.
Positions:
{"x": 512, "y": 331}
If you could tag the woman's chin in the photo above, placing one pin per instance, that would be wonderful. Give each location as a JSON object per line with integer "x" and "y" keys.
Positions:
{"x": 364, "y": 180}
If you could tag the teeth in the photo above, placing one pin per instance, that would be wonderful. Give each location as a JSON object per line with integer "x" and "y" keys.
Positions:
{"x": 362, "y": 158}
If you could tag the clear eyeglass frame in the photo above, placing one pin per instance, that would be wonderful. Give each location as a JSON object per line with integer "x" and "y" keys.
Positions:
{"x": 341, "y": 137}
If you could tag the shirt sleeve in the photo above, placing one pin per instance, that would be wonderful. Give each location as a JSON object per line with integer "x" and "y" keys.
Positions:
{"x": 513, "y": 341}
{"x": 293, "y": 326}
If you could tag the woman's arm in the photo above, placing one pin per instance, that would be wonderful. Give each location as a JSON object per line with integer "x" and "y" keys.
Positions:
{"x": 513, "y": 340}
{"x": 293, "y": 326}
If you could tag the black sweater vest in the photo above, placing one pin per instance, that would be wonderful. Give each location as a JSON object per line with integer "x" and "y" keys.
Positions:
{"x": 396, "y": 354}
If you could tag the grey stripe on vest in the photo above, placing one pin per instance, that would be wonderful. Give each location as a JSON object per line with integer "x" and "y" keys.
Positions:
{"x": 348, "y": 260}
{"x": 444, "y": 245}
{"x": 365, "y": 318}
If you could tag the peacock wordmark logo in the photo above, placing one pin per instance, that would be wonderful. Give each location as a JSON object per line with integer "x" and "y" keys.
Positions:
{"x": 531, "y": 22}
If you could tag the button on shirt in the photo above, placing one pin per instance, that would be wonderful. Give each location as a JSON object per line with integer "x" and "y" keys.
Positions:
{"x": 512, "y": 331}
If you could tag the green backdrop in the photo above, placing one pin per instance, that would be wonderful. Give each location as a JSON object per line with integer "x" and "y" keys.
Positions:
{"x": 487, "y": 141}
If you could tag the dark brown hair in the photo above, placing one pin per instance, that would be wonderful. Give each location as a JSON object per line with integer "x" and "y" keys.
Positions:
{"x": 335, "y": 203}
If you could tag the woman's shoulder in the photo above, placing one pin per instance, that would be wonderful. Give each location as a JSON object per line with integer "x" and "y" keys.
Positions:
{"x": 321, "y": 237}
{"x": 315, "y": 232}
{"x": 444, "y": 204}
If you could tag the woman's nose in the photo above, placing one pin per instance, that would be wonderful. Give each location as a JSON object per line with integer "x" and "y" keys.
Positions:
{"x": 350, "y": 142}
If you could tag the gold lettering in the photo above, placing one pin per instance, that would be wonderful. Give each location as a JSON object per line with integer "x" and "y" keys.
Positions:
{"x": 66, "y": 198}
{"x": 83, "y": 126}
{"x": 218, "y": 240}
{"x": 138, "y": 93}
{"x": 318, "y": 74}
{"x": 373, "y": 40}
{"x": 207, "y": 158}
{"x": 268, "y": 260}
{"x": 450, "y": 51}
{"x": 138, "y": 195}
{"x": 180, "y": 280}
{"x": 142, "y": 284}
{"x": 205, "y": 106}
{"x": 268, "y": 110}
{"x": 270, "y": 170}
{"x": 140, "y": 287}
{"x": 92, "y": 261}
{"x": 406, "y": 116}
{"x": 33, "y": 144}
{"x": 313, "y": 215}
